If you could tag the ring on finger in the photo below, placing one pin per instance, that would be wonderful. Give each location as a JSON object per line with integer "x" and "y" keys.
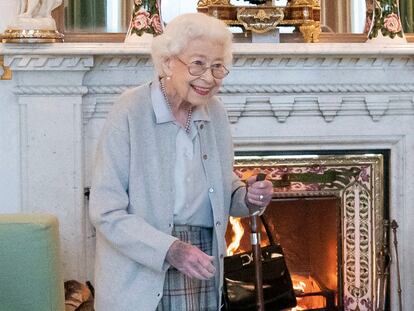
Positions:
{"x": 261, "y": 197}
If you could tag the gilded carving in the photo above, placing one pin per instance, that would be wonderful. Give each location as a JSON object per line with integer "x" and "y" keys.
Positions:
{"x": 304, "y": 14}
{"x": 260, "y": 20}
{"x": 205, "y": 3}
{"x": 7, "y": 73}
{"x": 261, "y": 15}
{"x": 31, "y": 36}
{"x": 314, "y": 3}
{"x": 310, "y": 31}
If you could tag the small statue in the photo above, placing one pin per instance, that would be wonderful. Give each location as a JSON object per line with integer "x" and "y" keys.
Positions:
{"x": 37, "y": 8}
{"x": 36, "y": 14}
{"x": 34, "y": 23}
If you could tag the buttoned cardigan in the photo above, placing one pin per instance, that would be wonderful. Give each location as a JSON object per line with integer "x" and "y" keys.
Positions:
{"x": 132, "y": 199}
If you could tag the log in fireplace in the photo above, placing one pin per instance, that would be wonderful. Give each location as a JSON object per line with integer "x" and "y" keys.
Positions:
{"x": 328, "y": 213}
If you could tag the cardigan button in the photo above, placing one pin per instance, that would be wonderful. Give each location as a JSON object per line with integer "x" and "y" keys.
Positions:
{"x": 211, "y": 190}
{"x": 201, "y": 126}
{"x": 205, "y": 157}
{"x": 218, "y": 223}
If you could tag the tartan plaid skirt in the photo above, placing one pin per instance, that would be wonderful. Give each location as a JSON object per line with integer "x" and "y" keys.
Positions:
{"x": 182, "y": 293}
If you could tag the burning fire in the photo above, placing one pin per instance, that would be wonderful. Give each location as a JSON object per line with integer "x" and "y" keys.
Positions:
{"x": 302, "y": 284}
{"x": 306, "y": 284}
{"x": 238, "y": 231}
{"x": 298, "y": 287}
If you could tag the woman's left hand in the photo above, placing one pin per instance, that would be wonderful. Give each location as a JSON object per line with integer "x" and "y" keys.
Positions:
{"x": 259, "y": 194}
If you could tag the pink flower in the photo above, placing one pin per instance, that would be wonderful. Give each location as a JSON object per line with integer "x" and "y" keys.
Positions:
{"x": 141, "y": 19}
{"x": 392, "y": 23}
{"x": 156, "y": 23}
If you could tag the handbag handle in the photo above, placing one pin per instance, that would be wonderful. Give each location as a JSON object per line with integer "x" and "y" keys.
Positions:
{"x": 267, "y": 229}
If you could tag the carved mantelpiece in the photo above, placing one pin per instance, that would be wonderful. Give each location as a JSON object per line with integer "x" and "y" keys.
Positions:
{"x": 286, "y": 97}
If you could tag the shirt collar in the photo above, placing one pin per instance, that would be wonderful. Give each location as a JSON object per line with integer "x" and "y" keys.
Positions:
{"x": 160, "y": 106}
{"x": 162, "y": 111}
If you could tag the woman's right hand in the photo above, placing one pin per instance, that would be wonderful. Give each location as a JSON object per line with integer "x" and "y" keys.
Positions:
{"x": 190, "y": 260}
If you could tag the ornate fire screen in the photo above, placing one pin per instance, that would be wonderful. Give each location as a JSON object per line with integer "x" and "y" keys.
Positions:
{"x": 358, "y": 183}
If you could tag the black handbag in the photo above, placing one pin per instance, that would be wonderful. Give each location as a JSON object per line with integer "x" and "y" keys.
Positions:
{"x": 239, "y": 279}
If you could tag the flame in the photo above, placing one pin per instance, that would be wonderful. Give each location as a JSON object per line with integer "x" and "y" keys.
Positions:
{"x": 238, "y": 231}
{"x": 306, "y": 284}
{"x": 300, "y": 286}
{"x": 301, "y": 283}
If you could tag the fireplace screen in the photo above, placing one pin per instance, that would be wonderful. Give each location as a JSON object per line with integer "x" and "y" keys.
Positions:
{"x": 327, "y": 213}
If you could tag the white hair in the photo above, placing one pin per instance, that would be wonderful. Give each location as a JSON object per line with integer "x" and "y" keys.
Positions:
{"x": 185, "y": 28}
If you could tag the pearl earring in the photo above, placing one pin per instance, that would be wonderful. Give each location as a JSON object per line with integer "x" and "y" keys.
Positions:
{"x": 168, "y": 78}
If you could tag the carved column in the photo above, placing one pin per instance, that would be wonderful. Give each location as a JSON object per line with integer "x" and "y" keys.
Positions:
{"x": 49, "y": 92}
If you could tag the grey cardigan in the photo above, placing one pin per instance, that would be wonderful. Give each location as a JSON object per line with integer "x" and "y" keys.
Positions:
{"x": 132, "y": 199}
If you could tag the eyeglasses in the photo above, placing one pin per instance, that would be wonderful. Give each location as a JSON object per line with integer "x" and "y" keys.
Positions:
{"x": 197, "y": 68}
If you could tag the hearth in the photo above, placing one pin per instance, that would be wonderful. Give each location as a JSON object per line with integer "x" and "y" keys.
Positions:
{"x": 327, "y": 213}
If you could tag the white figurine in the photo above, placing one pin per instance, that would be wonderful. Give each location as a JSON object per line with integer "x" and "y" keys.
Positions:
{"x": 36, "y": 14}
{"x": 37, "y": 8}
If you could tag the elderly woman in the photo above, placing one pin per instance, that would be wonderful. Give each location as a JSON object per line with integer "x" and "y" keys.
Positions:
{"x": 164, "y": 185}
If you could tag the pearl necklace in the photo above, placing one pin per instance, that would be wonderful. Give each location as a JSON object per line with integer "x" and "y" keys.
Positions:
{"x": 190, "y": 110}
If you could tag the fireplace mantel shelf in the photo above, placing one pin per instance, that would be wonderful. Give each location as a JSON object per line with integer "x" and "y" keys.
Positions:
{"x": 239, "y": 49}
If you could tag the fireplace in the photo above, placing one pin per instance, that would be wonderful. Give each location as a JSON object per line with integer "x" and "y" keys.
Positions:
{"x": 279, "y": 98}
{"x": 327, "y": 213}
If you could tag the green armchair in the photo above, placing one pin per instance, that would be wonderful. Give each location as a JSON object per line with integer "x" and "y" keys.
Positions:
{"x": 30, "y": 264}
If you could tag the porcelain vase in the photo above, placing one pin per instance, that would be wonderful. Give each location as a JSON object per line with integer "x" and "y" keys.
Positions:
{"x": 385, "y": 24}
{"x": 145, "y": 22}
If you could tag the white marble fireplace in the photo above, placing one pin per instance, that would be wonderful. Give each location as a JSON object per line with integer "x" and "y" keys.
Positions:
{"x": 286, "y": 97}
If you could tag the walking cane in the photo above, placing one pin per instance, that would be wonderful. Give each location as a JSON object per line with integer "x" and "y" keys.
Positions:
{"x": 257, "y": 254}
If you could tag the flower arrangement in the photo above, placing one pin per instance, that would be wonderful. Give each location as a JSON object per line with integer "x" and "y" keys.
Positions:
{"x": 146, "y": 18}
{"x": 386, "y": 20}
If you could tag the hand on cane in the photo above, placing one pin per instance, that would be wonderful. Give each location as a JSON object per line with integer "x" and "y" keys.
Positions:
{"x": 259, "y": 194}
